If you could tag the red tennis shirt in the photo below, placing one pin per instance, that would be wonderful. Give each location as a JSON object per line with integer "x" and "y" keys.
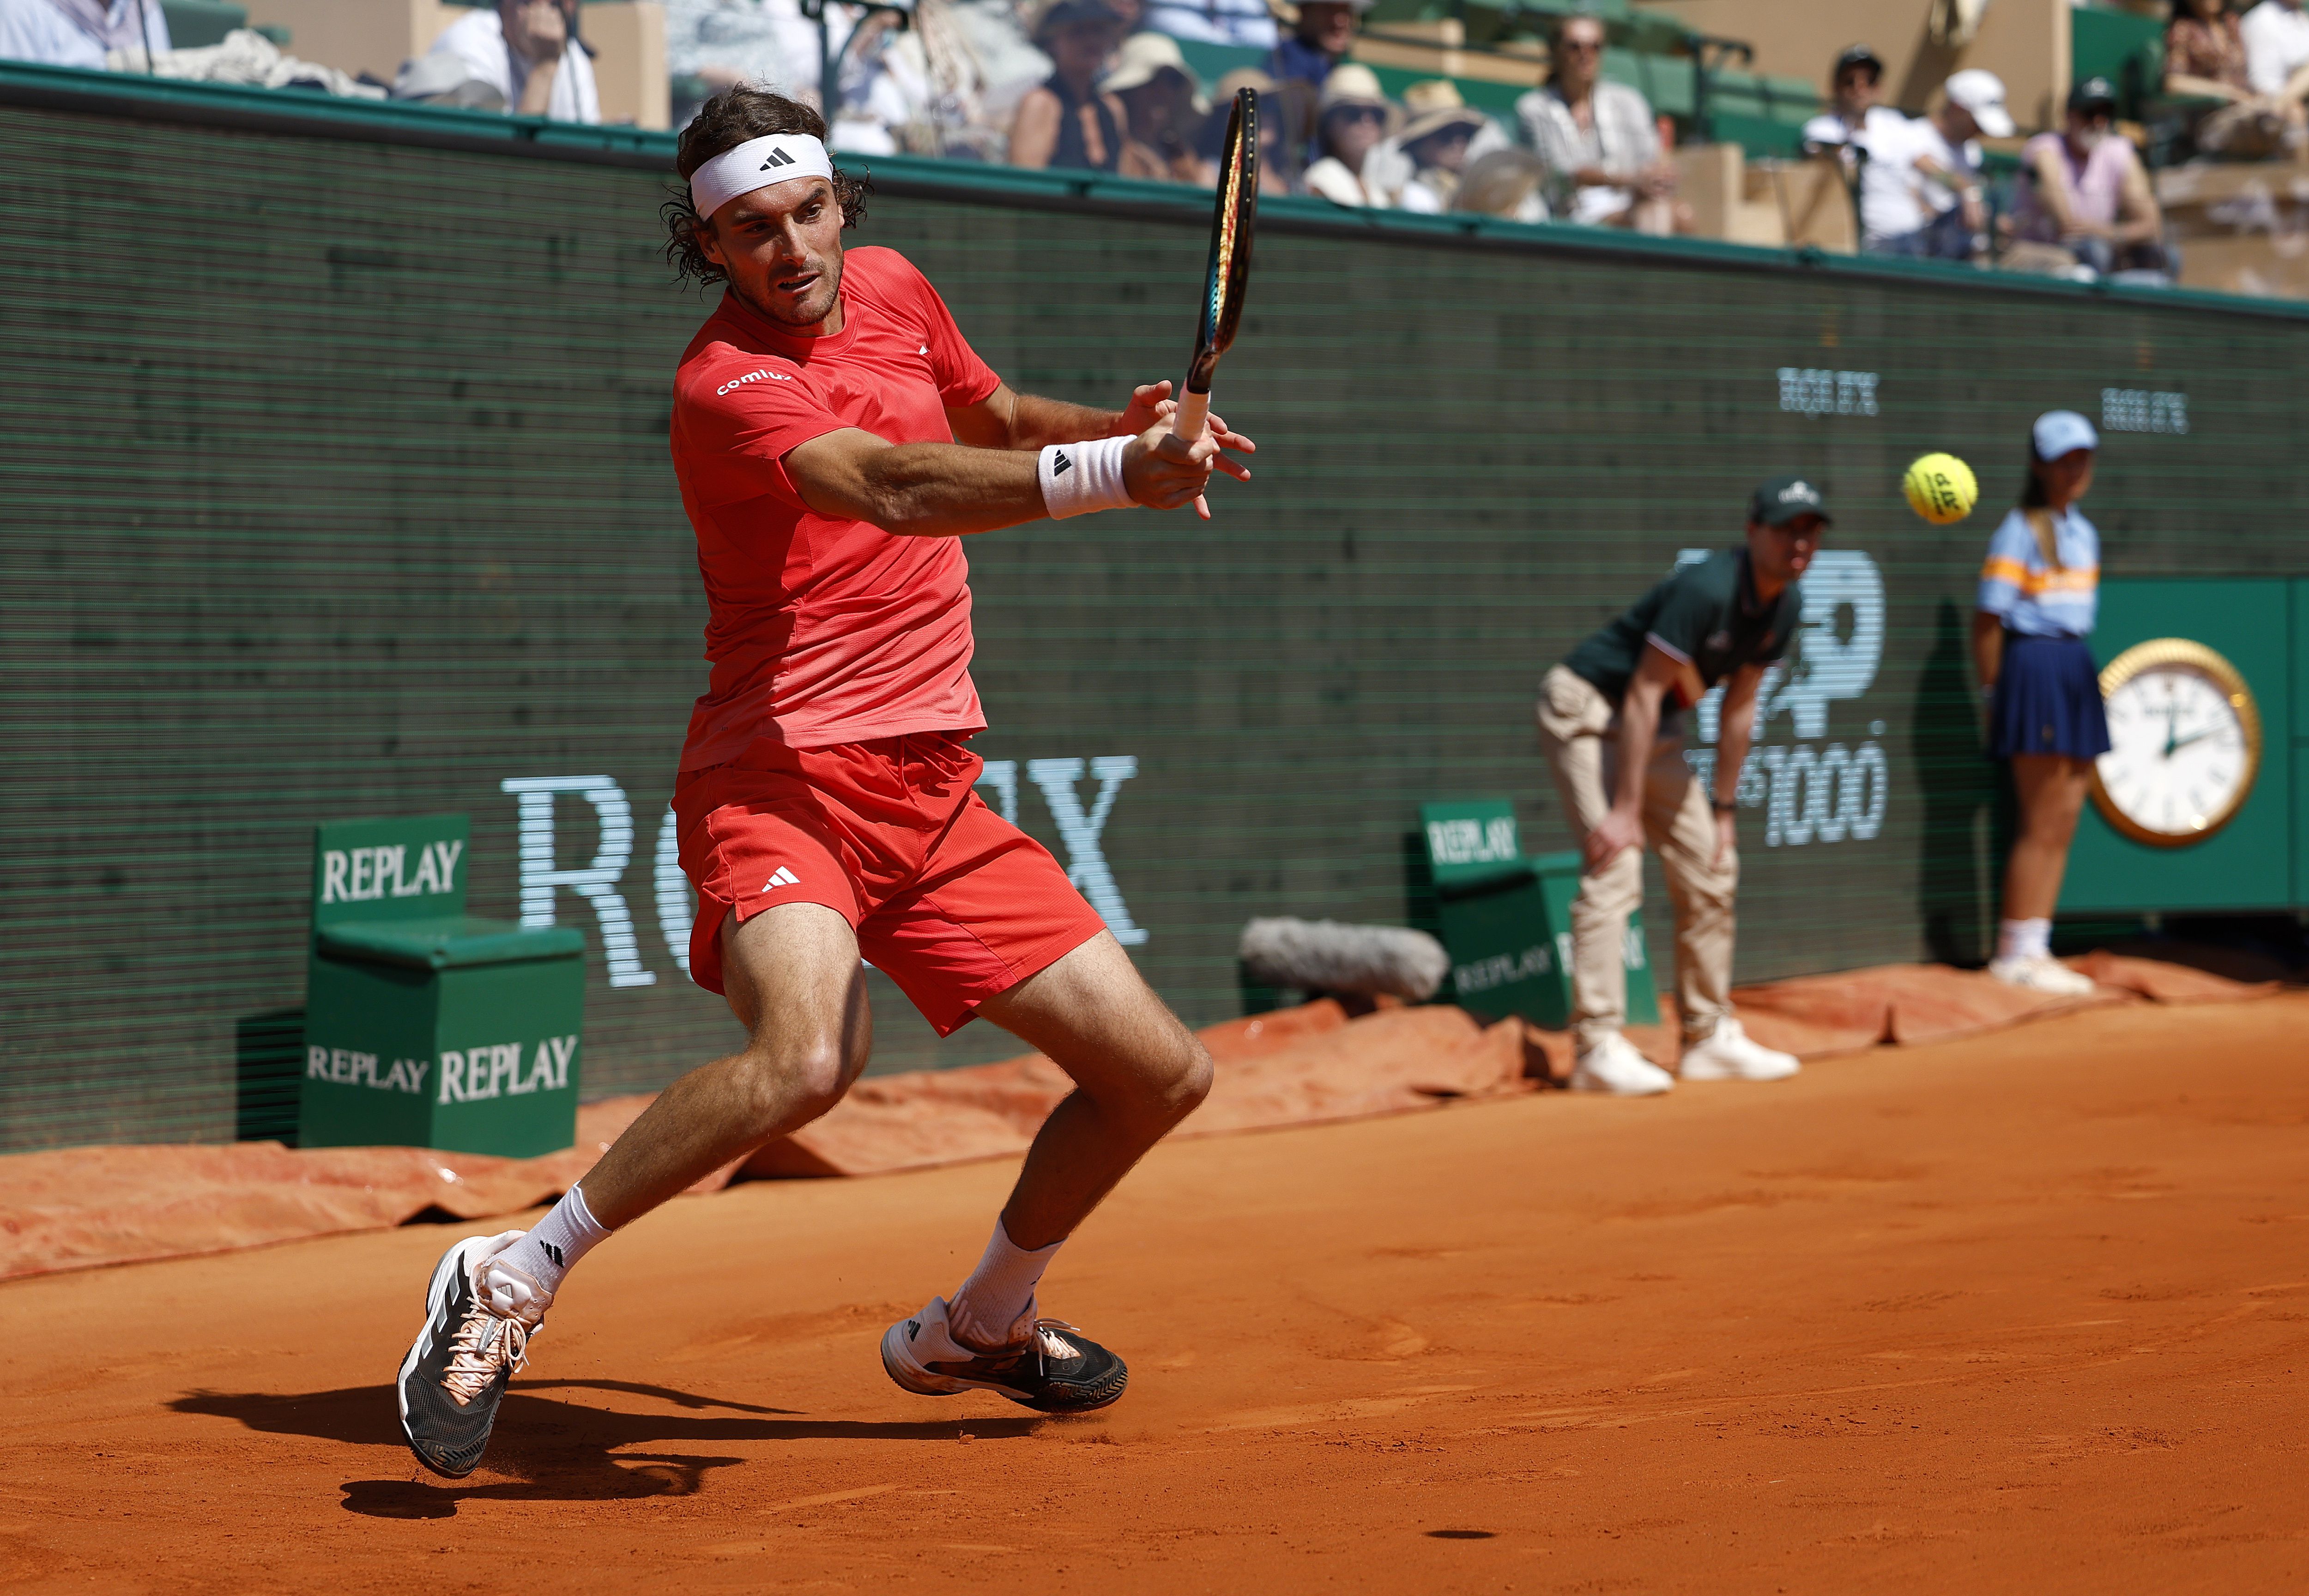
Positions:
{"x": 822, "y": 630}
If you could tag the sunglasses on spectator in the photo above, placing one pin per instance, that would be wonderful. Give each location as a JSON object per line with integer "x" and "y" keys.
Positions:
{"x": 1359, "y": 113}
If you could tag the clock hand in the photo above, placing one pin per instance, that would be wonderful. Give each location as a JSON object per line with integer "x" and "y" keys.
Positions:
{"x": 2179, "y": 743}
{"x": 2171, "y": 724}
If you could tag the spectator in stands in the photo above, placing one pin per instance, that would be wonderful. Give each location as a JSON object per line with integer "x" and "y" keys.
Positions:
{"x": 1068, "y": 122}
{"x": 1408, "y": 159}
{"x": 1599, "y": 139}
{"x": 2277, "y": 49}
{"x": 1246, "y": 22}
{"x": 1163, "y": 106}
{"x": 1278, "y": 159}
{"x": 1853, "y": 82}
{"x": 2205, "y": 58}
{"x": 1436, "y": 141}
{"x": 1325, "y": 33}
{"x": 1353, "y": 121}
{"x": 527, "y": 50}
{"x": 2084, "y": 191}
{"x": 1508, "y": 183}
{"x": 1931, "y": 205}
{"x": 78, "y": 32}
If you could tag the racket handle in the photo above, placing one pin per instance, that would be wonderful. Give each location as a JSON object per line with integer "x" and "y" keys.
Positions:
{"x": 1194, "y": 410}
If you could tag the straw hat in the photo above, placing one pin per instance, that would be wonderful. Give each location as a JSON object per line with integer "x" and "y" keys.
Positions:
{"x": 1241, "y": 77}
{"x": 1145, "y": 56}
{"x": 1435, "y": 105}
{"x": 1351, "y": 83}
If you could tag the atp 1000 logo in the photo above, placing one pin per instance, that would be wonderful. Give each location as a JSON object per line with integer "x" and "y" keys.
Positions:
{"x": 1812, "y": 790}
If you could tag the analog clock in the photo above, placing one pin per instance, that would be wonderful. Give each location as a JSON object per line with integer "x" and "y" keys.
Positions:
{"x": 2185, "y": 737}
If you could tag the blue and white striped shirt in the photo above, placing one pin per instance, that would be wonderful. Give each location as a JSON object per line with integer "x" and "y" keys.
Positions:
{"x": 2033, "y": 596}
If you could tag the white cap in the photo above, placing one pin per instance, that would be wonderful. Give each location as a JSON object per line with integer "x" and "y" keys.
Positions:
{"x": 2061, "y": 432}
{"x": 1982, "y": 93}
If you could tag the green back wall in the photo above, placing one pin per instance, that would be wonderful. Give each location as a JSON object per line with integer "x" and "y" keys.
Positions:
{"x": 336, "y": 485}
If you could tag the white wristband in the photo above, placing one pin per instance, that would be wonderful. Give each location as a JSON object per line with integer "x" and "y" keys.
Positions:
{"x": 1080, "y": 477}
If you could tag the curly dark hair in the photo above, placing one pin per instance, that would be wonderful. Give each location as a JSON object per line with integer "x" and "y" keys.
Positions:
{"x": 723, "y": 124}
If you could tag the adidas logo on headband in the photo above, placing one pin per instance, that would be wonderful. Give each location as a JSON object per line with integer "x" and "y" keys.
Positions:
{"x": 790, "y": 155}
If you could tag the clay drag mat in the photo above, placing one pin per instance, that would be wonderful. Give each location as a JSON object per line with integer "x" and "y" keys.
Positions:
{"x": 2027, "y": 1312}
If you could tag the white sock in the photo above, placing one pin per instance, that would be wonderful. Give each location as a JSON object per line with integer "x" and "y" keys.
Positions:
{"x": 551, "y": 1250}
{"x": 2024, "y": 939}
{"x": 996, "y": 1305}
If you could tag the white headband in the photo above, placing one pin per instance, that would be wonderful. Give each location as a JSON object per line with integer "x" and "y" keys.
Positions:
{"x": 757, "y": 163}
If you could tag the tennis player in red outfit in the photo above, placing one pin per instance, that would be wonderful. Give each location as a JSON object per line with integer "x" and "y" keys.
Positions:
{"x": 836, "y": 436}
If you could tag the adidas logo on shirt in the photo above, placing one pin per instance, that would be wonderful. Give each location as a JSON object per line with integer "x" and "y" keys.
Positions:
{"x": 785, "y": 877}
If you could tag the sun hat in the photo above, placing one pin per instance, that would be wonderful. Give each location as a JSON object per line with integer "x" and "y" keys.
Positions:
{"x": 1434, "y": 105}
{"x": 1351, "y": 83}
{"x": 1144, "y": 57}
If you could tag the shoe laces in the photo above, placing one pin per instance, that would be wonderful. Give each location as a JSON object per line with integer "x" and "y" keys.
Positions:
{"x": 484, "y": 1344}
{"x": 1049, "y": 1343}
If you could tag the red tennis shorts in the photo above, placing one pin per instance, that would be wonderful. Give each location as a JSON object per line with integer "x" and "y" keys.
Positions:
{"x": 948, "y": 899}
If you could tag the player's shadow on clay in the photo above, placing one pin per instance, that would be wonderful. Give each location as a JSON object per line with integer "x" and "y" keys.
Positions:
{"x": 549, "y": 1449}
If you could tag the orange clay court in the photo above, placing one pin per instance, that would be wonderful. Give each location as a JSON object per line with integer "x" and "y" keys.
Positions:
{"x": 2027, "y": 1312}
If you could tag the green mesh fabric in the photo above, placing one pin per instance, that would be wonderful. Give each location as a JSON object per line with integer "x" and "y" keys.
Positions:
{"x": 336, "y": 485}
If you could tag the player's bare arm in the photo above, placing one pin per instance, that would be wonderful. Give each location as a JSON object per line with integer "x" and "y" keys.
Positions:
{"x": 1736, "y": 732}
{"x": 1007, "y": 419}
{"x": 944, "y": 490}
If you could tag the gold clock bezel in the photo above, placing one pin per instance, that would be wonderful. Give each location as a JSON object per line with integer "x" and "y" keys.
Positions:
{"x": 2180, "y": 651}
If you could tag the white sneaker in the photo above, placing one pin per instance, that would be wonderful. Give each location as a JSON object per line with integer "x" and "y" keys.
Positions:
{"x": 1613, "y": 1065}
{"x": 2041, "y": 973}
{"x": 1728, "y": 1054}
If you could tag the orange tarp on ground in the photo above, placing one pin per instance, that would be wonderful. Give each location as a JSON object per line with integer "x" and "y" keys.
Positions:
{"x": 79, "y": 1207}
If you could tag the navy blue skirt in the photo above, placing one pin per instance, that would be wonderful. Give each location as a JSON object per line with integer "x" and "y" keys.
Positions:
{"x": 2047, "y": 700}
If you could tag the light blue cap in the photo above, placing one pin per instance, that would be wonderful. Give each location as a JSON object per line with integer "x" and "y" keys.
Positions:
{"x": 2061, "y": 432}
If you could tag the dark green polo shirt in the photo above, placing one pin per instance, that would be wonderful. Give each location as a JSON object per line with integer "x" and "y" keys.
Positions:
{"x": 1705, "y": 616}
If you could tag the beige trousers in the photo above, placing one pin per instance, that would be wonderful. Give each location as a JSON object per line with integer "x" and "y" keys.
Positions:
{"x": 1580, "y": 736}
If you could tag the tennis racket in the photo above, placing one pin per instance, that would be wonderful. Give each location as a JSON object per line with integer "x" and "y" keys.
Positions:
{"x": 1228, "y": 281}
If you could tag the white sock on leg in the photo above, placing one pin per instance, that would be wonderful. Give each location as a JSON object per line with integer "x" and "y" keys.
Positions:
{"x": 996, "y": 1305}
{"x": 2024, "y": 939}
{"x": 551, "y": 1250}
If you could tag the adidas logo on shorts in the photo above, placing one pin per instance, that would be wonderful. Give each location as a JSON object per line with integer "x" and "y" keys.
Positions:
{"x": 785, "y": 877}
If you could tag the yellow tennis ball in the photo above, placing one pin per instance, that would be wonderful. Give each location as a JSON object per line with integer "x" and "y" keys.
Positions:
{"x": 1940, "y": 488}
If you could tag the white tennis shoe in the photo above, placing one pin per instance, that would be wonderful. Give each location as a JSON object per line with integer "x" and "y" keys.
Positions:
{"x": 1613, "y": 1065}
{"x": 2041, "y": 972}
{"x": 1729, "y": 1054}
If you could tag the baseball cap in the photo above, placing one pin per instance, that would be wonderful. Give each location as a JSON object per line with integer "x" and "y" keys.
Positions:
{"x": 1782, "y": 500}
{"x": 1855, "y": 55}
{"x": 2061, "y": 432}
{"x": 2093, "y": 94}
{"x": 1982, "y": 93}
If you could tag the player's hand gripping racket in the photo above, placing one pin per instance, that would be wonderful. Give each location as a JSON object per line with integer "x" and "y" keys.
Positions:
{"x": 1229, "y": 278}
